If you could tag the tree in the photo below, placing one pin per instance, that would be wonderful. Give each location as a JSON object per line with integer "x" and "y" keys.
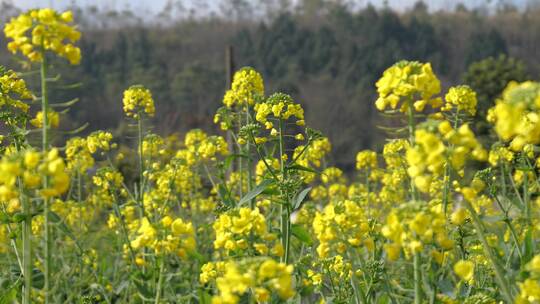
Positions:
{"x": 484, "y": 45}
{"x": 488, "y": 78}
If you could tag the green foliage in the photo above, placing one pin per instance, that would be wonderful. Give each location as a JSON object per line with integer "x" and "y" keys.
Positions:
{"x": 488, "y": 78}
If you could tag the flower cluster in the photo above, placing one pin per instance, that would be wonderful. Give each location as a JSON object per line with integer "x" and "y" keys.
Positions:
{"x": 516, "y": 114}
{"x": 412, "y": 228}
{"x": 204, "y": 147}
{"x": 333, "y": 186}
{"x": 12, "y": 90}
{"x": 312, "y": 155}
{"x": 138, "y": 100}
{"x": 108, "y": 184}
{"x": 172, "y": 236}
{"x": 79, "y": 150}
{"x": 279, "y": 106}
{"x": 366, "y": 159}
{"x": 408, "y": 80}
{"x": 53, "y": 119}
{"x": 247, "y": 85}
{"x": 263, "y": 277}
{"x": 37, "y": 31}
{"x": 465, "y": 270}
{"x": 239, "y": 229}
{"x": 339, "y": 226}
{"x": 434, "y": 150}
{"x": 394, "y": 176}
{"x": 530, "y": 287}
{"x": 462, "y": 98}
{"x": 33, "y": 167}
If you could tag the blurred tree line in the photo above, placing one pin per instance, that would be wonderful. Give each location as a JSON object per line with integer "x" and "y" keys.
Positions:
{"x": 325, "y": 54}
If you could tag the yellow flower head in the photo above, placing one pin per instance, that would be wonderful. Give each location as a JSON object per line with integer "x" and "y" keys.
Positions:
{"x": 247, "y": 85}
{"x": 32, "y": 167}
{"x": 516, "y": 115}
{"x": 37, "y": 31}
{"x": 465, "y": 270}
{"x": 263, "y": 276}
{"x": 138, "y": 100}
{"x": 12, "y": 90}
{"x": 53, "y": 119}
{"x": 366, "y": 159}
{"x": 463, "y": 98}
{"x": 411, "y": 80}
{"x": 278, "y": 106}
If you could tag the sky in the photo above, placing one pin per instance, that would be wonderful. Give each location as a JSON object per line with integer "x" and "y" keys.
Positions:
{"x": 155, "y": 6}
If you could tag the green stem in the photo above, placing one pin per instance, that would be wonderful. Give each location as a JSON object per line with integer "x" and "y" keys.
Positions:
{"x": 411, "y": 121}
{"x": 499, "y": 271}
{"x": 141, "y": 163}
{"x": 160, "y": 281}
{"x": 284, "y": 209}
{"x": 508, "y": 223}
{"x": 45, "y": 147}
{"x": 249, "y": 163}
{"x": 529, "y": 248}
{"x": 417, "y": 279}
{"x": 416, "y": 263}
{"x": 240, "y": 169}
{"x": 446, "y": 178}
{"x": 368, "y": 191}
{"x": 27, "y": 250}
{"x": 412, "y": 129}
{"x": 359, "y": 296}
{"x": 79, "y": 203}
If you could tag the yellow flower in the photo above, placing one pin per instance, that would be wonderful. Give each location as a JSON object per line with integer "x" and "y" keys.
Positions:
{"x": 339, "y": 225}
{"x": 53, "y": 119}
{"x": 138, "y": 100}
{"x": 280, "y": 106}
{"x": 463, "y": 98}
{"x": 247, "y": 85}
{"x": 516, "y": 116}
{"x": 31, "y": 159}
{"x": 12, "y": 90}
{"x": 37, "y": 31}
{"x": 529, "y": 291}
{"x": 459, "y": 216}
{"x": 366, "y": 159}
{"x": 264, "y": 276}
{"x": 534, "y": 264}
{"x": 408, "y": 79}
{"x": 465, "y": 270}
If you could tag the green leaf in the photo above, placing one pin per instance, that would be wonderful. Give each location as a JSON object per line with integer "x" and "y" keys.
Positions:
{"x": 143, "y": 290}
{"x": 271, "y": 191}
{"x": 56, "y": 219}
{"x": 300, "y": 198}
{"x": 255, "y": 191}
{"x": 8, "y": 296}
{"x": 18, "y": 217}
{"x": 301, "y": 168}
{"x": 38, "y": 278}
{"x": 196, "y": 255}
{"x": 529, "y": 246}
{"x": 204, "y": 297}
{"x": 4, "y": 218}
{"x": 225, "y": 197}
{"x": 120, "y": 288}
{"x": 301, "y": 233}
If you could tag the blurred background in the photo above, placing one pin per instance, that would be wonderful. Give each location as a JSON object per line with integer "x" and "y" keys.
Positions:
{"x": 327, "y": 54}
